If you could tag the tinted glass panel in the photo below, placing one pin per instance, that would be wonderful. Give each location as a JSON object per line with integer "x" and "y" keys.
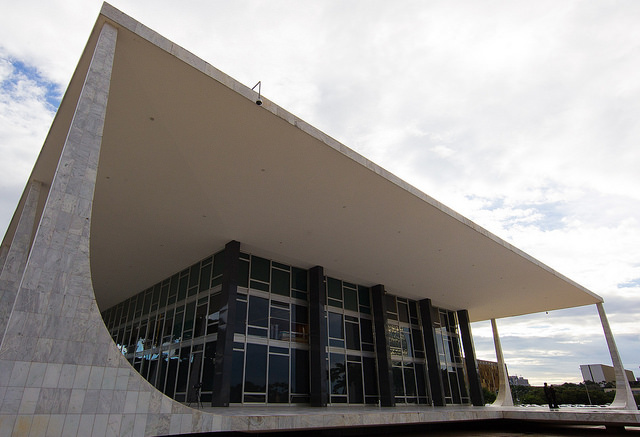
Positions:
{"x": 236, "y": 377}
{"x": 417, "y": 340}
{"x": 420, "y": 380}
{"x": 398, "y": 381}
{"x": 177, "y": 326}
{"x": 260, "y": 268}
{"x": 455, "y": 390}
{"x": 409, "y": 382}
{"x": 353, "y": 336}
{"x": 170, "y": 385}
{"x": 164, "y": 292}
{"x": 243, "y": 274}
{"x": 208, "y": 367}
{"x": 241, "y": 317}
{"x": 218, "y": 263}
{"x": 189, "y": 316}
{"x": 299, "y": 314}
{"x": 299, "y": 279}
{"x": 182, "y": 287}
{"x": 350, "y": 299}
{"x": 183, "y": 370}
{"x": 337, "y": 374}
{"x": 205, "y": 278}
{"x": 403, "y": 312}
{"x": 194, "y": 275}
{"x": 299, "y": 371}
{"x": 367, "y": 330}
{"x": 256, "y": 373}
{"x": 370, "y": 376}
{"x": 278, "y": 379}
{"x": 280, "y": 282}
{"x": 334, "y": 289}
{"x": 279, "y": 329}
{"x": 258, "y": 311}
{"x": 173, "y": 285}
{"x": 355, "y": 383}
{"x": 335, "y": 325}
{"x": 391, "y": 303}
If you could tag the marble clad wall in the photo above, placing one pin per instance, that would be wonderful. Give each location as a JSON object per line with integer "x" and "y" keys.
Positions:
{"x": 12, "y": 267}
{"x": 60, "y": 372}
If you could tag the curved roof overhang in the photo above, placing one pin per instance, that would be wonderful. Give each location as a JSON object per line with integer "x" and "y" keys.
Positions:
{"x": 189, "y": 162}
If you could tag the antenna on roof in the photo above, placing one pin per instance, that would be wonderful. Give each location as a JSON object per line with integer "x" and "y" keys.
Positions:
{"x": 259, "y": 85}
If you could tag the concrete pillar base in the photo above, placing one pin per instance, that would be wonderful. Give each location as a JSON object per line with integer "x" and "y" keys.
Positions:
{"x": 504, "y": 398}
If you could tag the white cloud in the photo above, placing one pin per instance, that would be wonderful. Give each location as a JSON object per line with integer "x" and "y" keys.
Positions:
{"x": 25, "y": 116}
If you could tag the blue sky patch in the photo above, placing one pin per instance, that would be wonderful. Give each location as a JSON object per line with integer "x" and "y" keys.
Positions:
{"x": 21, "y": 72}
{"x": 545, "y": 216}
{"x": 631, "y": 284}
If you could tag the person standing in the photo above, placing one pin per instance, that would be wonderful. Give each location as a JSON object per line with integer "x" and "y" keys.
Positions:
{"x": 550, "y": 394}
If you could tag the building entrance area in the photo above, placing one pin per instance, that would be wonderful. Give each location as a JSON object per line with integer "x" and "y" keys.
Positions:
{"x": 169, "y": 333}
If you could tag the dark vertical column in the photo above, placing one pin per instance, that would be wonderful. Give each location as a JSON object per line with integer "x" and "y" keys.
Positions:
{"x": 428, "y": 315}
{"x": 318, "y": 371}
{"x": 383, "y": 352}
{"x": 475, "y": 386}
{"x": 226, "y": 325}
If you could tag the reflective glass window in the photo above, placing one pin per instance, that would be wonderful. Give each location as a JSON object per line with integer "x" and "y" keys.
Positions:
{"x": 370, "y": 376}
{"x": 256, "y": 370}
{"x": 258, "y": 311}
{"x": 205, "y": 277}
{"x": 260, "y": 268}
{"x": 208, "y": 366}
{"x": 237, "y": 371}
{"x": 278, "y": 379}
{"x": 241, "y": 315}
{"x": 352, "y": 335}
{"x": 183, "y": 370}
{"x": 279, "y": 323}
{"x": 280, "y": 282}
{"x": 300, "y": 323}
{"x": 335, "y": 325}
{"x": 350, "y": 299}
{"x": 337, "y": 373}
{"x": 299, "y": 371}
{"x": 354, "y": 377}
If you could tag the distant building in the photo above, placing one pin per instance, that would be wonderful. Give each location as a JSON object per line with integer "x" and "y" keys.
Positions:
{"x": 488, "y": 372}
{"x": 518, "y": 380}
{"x": 601, "y": 373}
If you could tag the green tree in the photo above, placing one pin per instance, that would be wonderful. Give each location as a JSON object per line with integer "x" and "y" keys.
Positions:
{"x": 566, "y": 393}
{"x": 489, "y": 396}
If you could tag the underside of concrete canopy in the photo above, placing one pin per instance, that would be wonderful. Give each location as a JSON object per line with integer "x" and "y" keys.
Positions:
{"x": 189, "y": 162}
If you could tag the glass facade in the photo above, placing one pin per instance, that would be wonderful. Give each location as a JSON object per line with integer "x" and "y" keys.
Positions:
{"x": 271, "y": 341}
{"x": 407, "y": 351}
{"x": 451, "y": 362}
{"x": 168, "y": 333}
{"x": 351, "y": 351}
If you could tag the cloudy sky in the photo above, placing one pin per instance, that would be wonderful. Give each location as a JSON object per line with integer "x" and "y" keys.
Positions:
{"x": 520, "y": 115}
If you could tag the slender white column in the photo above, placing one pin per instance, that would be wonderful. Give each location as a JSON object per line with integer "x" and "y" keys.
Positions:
{"x": 624, "y": 397}
{"x": 504, "y": 398}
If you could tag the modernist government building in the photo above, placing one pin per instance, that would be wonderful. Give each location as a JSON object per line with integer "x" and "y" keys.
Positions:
{"x": 184, "y": 260}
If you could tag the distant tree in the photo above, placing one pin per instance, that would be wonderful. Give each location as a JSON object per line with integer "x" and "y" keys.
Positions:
{"x": 489, "y": 396}
{"x": 566, "y": 393}
{"x": 533, "y": 396}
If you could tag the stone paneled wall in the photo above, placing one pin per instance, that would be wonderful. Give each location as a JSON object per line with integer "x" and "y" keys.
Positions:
{"x": 60, "y": 372}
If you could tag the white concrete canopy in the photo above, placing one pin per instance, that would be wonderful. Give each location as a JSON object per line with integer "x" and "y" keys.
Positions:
{"x": 189, "y": 162}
